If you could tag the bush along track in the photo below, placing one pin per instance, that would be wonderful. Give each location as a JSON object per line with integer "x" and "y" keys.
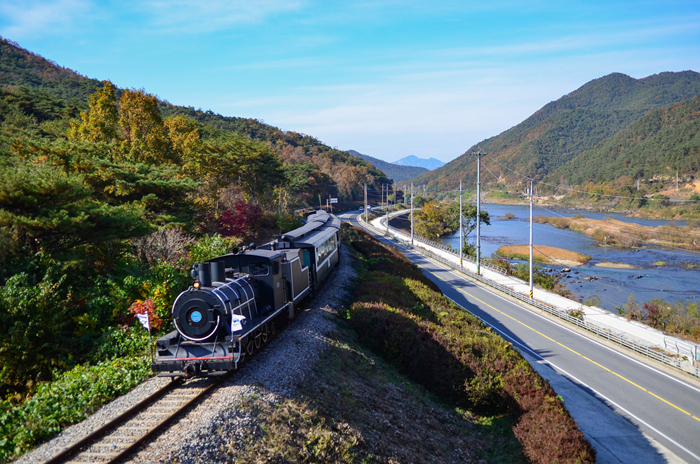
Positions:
{"x": 403, "y": 317}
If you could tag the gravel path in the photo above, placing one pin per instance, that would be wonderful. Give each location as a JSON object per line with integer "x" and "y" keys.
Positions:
{"x": 203, "y": 435}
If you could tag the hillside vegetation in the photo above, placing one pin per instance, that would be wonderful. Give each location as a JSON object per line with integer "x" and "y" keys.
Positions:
{"x": 404, "y": 318}
{"x": 551, "y": 140}
{"x": 658, "y": 144}
{"x": 319, "y": 169}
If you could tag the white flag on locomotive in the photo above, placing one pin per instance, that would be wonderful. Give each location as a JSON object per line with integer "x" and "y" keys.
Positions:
{"x": 236, "y": 320}
{"x": 143, "y": 319}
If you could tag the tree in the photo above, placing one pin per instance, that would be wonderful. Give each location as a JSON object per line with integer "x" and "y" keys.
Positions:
{"x": 430, "y": 221}
{"x": 53, "y": 210}
{"x": 100, "y": 123}
{"x": 143, "y": 134}
{"x": 306, "y": 182}
{"x": 469, "y": 217}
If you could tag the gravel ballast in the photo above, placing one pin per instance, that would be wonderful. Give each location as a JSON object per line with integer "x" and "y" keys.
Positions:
{"x": 210, "y": 427}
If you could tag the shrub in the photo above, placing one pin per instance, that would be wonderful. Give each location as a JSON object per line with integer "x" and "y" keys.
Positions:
{"x": 400, "y": 314}
{"x": 210, "y": 246}
{"x": 69, "y": 399}
{"x": 238, "y": 221}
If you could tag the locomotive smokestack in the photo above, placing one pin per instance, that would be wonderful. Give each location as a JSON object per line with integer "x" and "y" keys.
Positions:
{"x": 218, "y": 272}
{"x": 204, "y": 275}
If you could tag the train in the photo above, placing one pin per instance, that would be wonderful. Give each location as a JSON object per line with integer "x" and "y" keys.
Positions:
{"x": 238, "y": 301}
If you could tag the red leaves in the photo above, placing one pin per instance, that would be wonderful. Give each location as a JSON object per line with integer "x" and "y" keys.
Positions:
{"x": 239, "y": 220}
{"x": 146, "y": 307}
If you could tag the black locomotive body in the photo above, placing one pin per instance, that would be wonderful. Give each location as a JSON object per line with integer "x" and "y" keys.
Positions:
{"x": 238, "y": 300}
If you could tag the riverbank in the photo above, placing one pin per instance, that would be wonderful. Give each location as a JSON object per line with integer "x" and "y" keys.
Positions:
{"x": 612, "y": 232}
{"x": 544, "y": 254}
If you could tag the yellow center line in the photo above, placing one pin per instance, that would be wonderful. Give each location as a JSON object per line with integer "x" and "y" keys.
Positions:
{"x": 566, "y": 347}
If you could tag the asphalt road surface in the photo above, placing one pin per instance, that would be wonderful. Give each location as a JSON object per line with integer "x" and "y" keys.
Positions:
{"x": 631, "y": 409}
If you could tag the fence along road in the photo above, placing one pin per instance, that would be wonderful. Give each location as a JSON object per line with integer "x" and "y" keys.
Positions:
{"x": 631, "y": 411}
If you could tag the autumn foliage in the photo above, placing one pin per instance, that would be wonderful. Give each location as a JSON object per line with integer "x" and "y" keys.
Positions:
{"x": 402, "y": 316}
{"x": 239, "y": 221}
{"x": 146, "y": 307}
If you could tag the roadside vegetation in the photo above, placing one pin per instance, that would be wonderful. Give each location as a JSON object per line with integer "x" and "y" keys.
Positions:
{"x": 680, "y": 318}
{"x": 403, "y": 317}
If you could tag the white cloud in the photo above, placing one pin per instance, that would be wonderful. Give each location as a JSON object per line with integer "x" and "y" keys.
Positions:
{"x": 32, "y": 19}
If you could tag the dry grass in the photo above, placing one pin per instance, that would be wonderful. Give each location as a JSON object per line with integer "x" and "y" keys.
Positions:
{"x": 353, "y": 408}
{"x": 618, "y": 233}
{"x": 544, "y": 254}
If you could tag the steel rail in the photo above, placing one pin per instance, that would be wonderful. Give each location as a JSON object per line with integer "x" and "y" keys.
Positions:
{"x": 82, "y": 446}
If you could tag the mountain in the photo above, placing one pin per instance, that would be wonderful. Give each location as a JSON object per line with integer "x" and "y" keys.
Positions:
{"x": 563, "y": 130}
{"x": 661, "y": 142}
{"x": 395, "y": 172}
{"x": 412, "y": 160}
{"x": 39, "y": 86}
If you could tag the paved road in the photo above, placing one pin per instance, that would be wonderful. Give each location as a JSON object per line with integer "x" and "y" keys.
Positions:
{"x": 631, "y": 411}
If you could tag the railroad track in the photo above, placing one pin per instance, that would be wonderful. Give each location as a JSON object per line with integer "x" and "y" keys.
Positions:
{"x": 124, "y": 435}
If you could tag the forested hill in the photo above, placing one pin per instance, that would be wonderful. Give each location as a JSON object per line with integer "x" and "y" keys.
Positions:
{"x": 564, "y": 129}
{"x": 24, "y": 72}
{"x": 661, "y": 142}
{"x": 395, "y": 172}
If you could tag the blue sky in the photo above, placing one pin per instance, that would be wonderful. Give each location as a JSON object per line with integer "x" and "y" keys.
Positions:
{"x": 386, "y": 78}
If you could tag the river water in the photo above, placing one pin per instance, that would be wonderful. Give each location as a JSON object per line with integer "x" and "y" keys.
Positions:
{"x": 672, "y": 281}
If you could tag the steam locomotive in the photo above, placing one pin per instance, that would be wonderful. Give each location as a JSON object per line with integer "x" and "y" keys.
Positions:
{"x": 237, "y": 301}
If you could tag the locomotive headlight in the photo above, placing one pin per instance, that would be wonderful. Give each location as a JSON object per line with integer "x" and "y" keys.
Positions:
{"x": 196, "y": 285}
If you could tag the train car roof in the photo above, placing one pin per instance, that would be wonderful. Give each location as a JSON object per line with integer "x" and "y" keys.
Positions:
{"x": 316, "y": 238}
{"x": 314, "y": 222}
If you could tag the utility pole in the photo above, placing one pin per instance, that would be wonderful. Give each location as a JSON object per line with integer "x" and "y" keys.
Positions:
{"x": 637, "y": 184}
{"x": 386, "y": 210}
{"x": 530, "y": 239}
{"x": 461, "y": 230}
{"x": 411, "y": 213}
{"x": 676, "y": 180}
{"x": 365, "y": 202}
{"x": 478, "y": 155}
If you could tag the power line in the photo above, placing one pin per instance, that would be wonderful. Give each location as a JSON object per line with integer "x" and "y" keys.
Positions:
{"x": 585, "y": 191}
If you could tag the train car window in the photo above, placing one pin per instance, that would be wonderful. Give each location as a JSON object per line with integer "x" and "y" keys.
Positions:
{"x": 325, "y": 249}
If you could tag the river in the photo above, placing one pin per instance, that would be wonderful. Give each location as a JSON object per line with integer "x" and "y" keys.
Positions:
{"x": 672, "y": 281}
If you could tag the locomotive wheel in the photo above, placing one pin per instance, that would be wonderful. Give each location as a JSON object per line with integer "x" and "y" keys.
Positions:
{"x": 263, "y": 334}
{"x": 257, "y": 341}
{"x": 249, "y": 347}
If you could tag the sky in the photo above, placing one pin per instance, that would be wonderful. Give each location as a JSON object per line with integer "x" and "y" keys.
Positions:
{"x": 386, "y": 78}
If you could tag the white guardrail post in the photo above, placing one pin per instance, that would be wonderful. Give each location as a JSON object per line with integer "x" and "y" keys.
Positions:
{"x": 693, "y": 367}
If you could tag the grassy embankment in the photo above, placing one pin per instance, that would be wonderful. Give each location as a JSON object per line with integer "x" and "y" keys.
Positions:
{"x": 544, "y": 254}
{"x": 437, "y": 385}
{"x": 403, "y": 317}
{"x": 611, "y": 232}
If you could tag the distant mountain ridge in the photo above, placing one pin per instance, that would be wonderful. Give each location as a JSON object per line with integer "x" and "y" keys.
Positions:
{"x": 395, "y": 172}
{"x": 564, "y": 129}
{"x": 412, "y": 160}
